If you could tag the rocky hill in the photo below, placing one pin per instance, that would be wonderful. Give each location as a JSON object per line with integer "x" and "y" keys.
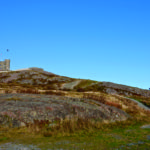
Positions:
{"x": 38, "y": 78}
{"x": 32, "y": 94}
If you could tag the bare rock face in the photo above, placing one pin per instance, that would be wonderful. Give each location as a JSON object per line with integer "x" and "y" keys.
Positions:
{"x": 27, "y": 76}
{"x": 32, "y": 107}
{"x": 112, "y": 88}
{"x": 111, "y": 91}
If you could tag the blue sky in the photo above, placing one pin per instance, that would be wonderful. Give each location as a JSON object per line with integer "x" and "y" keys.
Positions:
{"x": 103, "y": 40}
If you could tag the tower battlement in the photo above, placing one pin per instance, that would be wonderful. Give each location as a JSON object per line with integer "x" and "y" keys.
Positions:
{"x": 5, "y": 65}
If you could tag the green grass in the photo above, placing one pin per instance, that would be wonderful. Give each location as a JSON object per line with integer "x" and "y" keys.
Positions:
{"x": 96, "y": 140}
{"x": 3, "y": 139}
{"x": 84, "y": 83}
{"x": 92, "y": 138}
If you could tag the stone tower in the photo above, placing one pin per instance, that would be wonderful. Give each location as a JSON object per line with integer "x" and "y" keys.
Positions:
{"x": 5, "y": 65}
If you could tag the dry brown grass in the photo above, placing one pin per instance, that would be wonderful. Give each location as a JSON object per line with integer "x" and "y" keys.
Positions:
{"x": 114, "y": 104}
{"x": 37, "y": 125}
{"x": 33, "y": 91}
{"x": 101, "y": 98}
{"x": 66, "y": 126}
{"x": 132, "y": 108}
{"x": 74, "y": 125}
{"x": 126, "y": 105}
{"x": 30, "y": 91}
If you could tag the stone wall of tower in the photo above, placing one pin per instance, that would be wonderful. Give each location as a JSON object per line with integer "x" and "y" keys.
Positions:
{"x": 1, "y": 65}
{"x": 5, "y": 65}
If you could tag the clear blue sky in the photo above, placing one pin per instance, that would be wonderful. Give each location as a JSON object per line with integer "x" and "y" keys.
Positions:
{"x": 103, "y": 40}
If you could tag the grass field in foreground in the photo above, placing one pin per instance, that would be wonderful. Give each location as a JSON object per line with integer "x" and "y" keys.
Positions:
{"x": 108, "y": 136}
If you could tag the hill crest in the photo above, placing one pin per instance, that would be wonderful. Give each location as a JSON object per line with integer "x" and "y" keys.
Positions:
{"x": 38, "y": 78}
